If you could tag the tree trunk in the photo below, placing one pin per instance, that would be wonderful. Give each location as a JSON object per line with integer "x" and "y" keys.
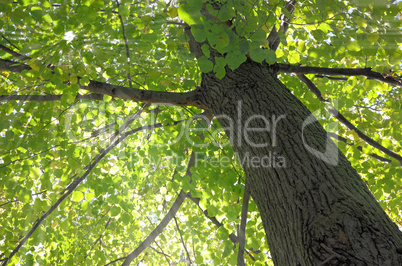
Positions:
{"x": 315, "y": 208}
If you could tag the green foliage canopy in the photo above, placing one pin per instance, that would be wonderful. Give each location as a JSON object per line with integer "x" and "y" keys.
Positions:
{"x": 46, "y": 145}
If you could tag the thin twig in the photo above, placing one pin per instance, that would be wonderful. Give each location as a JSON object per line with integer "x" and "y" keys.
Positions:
{"x": 126, "y": 45}
{"x": 182, "y": 240}
{"x": 218, "y": 224}
{"x": 161, "y": 252}
{"x": 242, "y": 232}
{"x": 4, "y": 37}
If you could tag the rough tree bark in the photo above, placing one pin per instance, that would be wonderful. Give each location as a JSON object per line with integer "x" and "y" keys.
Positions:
{"x": 315, "y": 211}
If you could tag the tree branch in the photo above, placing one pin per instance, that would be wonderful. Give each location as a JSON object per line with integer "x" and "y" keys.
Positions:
{"x": 273, "y": 38}
{"x": 242, "y": 231}
{"x": 116, "y": 260}
{"x": 130, "y": 83}
{"x": 15, "y": 54}
{"x": 218, "y": 224}
{"x": 161, "y": 252}
{"x": 349, "y": 125}
{"x": 48, "y": 98}
{"x": 363, "y": 72}
{"x": 182, "y": 240}
{"x": 190, "y": 98}
{"x": 312, "y": 87}
{"x": 331, "y": 78}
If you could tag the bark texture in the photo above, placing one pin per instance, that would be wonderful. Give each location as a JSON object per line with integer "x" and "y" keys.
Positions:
{"x": 315, "y": 208}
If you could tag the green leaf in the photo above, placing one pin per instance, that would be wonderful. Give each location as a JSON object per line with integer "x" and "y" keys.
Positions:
{"x": 77, "y": 196}
{"x": 34, "y": 172}
{"x": 84, "y": 81}
{"x": 47, "y": 18}
{"x": 258, "y": 55}
{"x": 205, "y": 64}
{"x": 219, "y": 68}
{"x": 36, "y": 13}
{"x": 199, "y": 259}
{"x": 115, "y": 210}
{"x": 124, "y": 11}
{"x": 387, "y": 143}
{"x": 270, "y": 57}
{"x": 67, "y": 99}
{"x": 107, "y": 98}
{"x": 199, "y": 33}
{"x": 89, "y": 196}
{"x": 259, "y": 37}
{"x": 205, "y": 50}
{"x": 234, "y": 60}
{"x": 190, "y": 13}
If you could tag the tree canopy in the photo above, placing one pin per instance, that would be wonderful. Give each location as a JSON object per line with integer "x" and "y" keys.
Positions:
{"x": 106, "y": 151}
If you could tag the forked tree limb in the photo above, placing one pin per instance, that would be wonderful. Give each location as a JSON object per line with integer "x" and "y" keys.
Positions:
{"x": 218, "y": 224}
{"x": 363, "y": 72}
{"x": 348, "y": 124}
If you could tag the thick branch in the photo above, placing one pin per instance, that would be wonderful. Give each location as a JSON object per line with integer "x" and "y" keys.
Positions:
{"x": 349, "y": 125}
{"x": 48, "y": 98}
{"x": 155, "y": 97}
{"x": 363, "y": 72}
